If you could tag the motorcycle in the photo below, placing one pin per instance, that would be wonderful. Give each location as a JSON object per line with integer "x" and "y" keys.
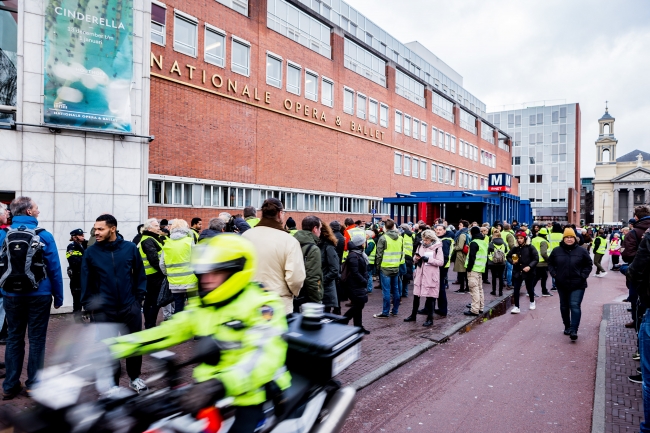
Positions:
{"x": 76, "y": 393}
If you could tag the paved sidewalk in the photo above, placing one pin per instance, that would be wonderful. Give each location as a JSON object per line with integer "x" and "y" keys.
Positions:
{"x": 623, "y": 399}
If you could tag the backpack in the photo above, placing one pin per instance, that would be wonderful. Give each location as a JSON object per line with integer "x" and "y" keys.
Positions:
{"x": 499, "y": 256}
{"x": 22, "y": 266}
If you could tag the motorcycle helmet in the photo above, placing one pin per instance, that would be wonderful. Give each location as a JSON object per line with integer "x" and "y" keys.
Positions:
{"x": 224, "y": 252}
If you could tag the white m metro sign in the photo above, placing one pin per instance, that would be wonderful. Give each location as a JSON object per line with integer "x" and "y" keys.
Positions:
{"x": 501, "y": 182}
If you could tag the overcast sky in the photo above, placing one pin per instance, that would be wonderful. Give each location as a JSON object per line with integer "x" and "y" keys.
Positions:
{"x": 516, "y": 51}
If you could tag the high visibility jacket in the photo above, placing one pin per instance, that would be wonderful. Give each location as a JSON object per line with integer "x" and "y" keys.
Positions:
{"x": 351, "y": 233}
{"x": 148, "y": 269}
{"x": 176, "y": 257}
{"x": 293, "y": 232}
{"x": 394, "y": 252}
{"x": 614, "y": 244}
{"x": 537, "y": 243}
{"x": 408, "y": 245}
{"x": 480, "y": 261}
{"x": 249, "y": 330}
{"x": 253, "y": 222}
{"x": 373, "y": 253}
{"x": 503, "y": 247}
{"x": 554, "y": 240}
{"x": 195, "y": 235}
{"x": 602, "y": 247}
{"x": 451, "y": 249}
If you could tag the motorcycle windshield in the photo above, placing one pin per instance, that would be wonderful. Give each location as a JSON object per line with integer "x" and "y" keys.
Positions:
{"x": 80, "y": 360}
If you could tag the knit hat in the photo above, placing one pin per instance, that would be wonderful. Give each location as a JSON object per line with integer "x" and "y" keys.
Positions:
{"x": 475, "y": 231}
{"x": 568, "y": 232}
{"x": 291, "y": 224}
{"x": 164, "y": 222}
{"x": 543, "y": 231}
{"x": 358, "y": 239}
{"x": 521, "y": 234}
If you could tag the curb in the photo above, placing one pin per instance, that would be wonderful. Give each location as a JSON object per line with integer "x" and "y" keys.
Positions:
{"x": 598, "y": 418}
{"x": 418, "y": 350}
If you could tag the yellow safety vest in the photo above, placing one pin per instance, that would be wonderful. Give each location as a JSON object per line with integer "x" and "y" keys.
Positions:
{"x": 554, "y": 240}
{"x": 613, "y": 244}
{"x": 177, "y": 256}
{"x": 253, "y": 222}
{"x": 148, "y": 269}
{"x": 352, "y": 232}
{"x": 293, "y": 232}
{"x": 603, "y": 246}
{"x": 373, "y": 253}
{"x": 408, "y": 245}
{"x": 537, "y": 243}
{"x": 394, "y": 252}
{"x": 451, "y": 249}
{"x": 503, "y": 248}
{"x": 480, "y": 261}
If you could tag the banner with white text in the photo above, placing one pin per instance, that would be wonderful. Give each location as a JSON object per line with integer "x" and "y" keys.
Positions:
{"x": 89, "y": 64}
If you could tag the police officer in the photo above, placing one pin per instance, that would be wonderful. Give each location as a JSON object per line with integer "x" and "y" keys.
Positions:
{"x": 74, "y": 253}
{"x": 246, "y": 320}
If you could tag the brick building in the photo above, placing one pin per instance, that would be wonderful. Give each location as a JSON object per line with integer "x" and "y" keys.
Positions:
{"x": 307, "y": 101}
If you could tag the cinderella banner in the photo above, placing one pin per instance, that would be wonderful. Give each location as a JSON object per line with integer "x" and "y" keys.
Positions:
{"x": 89, "y": 64}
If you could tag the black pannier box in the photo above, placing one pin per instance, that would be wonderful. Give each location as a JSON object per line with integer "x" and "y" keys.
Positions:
{"x": 321, "y": 349}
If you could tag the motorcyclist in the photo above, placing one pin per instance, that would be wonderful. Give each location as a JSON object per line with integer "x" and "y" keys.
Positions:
{"x": 246, "y": 320}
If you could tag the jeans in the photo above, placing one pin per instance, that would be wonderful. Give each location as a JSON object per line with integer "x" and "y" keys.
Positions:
{"x": 529, "y": 279}
{"x": 403, "y": 288}
{"x": 644, "y": 350}
{"x": 390, "y": 288}
{"x": 179, "y": 302}
{"x": 442, "y": 293}
{"x": 2, "y": 311}
{"x": 371, "y": 272}
{"x": 541, "y": 274}
{"x": 570, "y": 301}
{"x": 29, "y": 314}
{"x": 497, "y": 274}
{"x": 508, "y": 274}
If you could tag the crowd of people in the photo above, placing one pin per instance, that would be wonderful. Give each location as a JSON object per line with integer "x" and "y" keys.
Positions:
{"x": 337, "y": 265}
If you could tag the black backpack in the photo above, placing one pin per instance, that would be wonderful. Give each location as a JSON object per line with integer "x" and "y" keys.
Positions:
{"x": 22, "y": 266}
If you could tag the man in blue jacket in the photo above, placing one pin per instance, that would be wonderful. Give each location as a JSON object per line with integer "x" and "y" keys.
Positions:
{"x": 113, "y": 287}
{"x": 30, "y": 309}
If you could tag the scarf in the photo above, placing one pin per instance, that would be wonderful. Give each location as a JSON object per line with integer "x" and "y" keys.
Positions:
{"x": 268, "y": 222}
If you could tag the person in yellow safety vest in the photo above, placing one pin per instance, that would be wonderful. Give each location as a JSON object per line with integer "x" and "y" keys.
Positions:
{"x": 196, "y": 225}
{"x": 447, "y": 239}
{"x": 600, "y": 247}
{"x": 351, "y": 229}
{"x": 371, "y": 252}
{"x": 554, "y": 238}
{"x": 524, "y": 227}
{"x": 476, "y": 263}
{"x": 615, "y": 250}
{"x": 497, "y": 265}
{"x": 486, "y": 238}
{"x": 543, "y": 251}
{"x": 175, "y": 263}
{"x": 290, "y": 226}
{"x": 390, "y": 250}
{"x": 247, "y": 322}
{"x": 150, "y": 247}
{"x": 406, "y": 265}
{"x": 250, "y": 215}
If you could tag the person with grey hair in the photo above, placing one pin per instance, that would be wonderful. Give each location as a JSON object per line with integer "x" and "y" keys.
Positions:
{"x": 29, "y": 310}
{"x": 150, "y": 248}
{"x": 216, "y": 226}
{"x": 428, "y": 259}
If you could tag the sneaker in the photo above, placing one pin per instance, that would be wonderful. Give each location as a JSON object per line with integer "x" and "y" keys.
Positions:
{"x": 536, "y": 295}
{"x": 635, "y": 379}
{"x": 410, "y": 319}
{"x": 138, "y": 385}
{"x": 469, "y": 313}
{"x": 468, "y": 306}
{"x": 515, "y": 310}
{"x": 393, "y": 314}
{"x": 574, "y": 335}
{"x": 636, "y": 356}
{"x": 567, "y": 331}
{"x": 532, "y": 306}
{"x": 381, "y": 316}
{"x": 547, "y": 294}
{"x": 365, "y": 331}
{"x": 630, "y": 325}
{"x": 554, "y": 289}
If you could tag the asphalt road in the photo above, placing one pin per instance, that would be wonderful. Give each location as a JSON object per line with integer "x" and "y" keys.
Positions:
{"x": 512, "y": 373}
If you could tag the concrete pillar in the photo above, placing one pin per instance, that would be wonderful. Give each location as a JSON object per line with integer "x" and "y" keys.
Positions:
{"x": 615, "y": 204}
{"x": 646, "y": 199}
{"x": 630, "y": 203}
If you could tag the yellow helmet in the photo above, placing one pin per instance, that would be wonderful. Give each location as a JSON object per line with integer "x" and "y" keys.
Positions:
{"x": 225, "y": 252}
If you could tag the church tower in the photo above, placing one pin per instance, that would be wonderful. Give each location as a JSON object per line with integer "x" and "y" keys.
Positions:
{"x": 606, "y": 142}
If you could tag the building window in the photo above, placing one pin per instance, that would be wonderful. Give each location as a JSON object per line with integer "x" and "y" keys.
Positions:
{"x": 409, "y": 88}
{"x": 383, "y": 115}
{"x": 416, "y": 165}
{"x": 348, "y": 100}
{"x": 158, "y": 23}
{"x": 327, "y": 97}
{"x": 293, "y": 78}
{"x": 364, "y": 63}
{"x": 516, "y": 160}
{"x": 274, "y": 70}
{"x": 423, "y": 169}
{"x": 434, "y": 136}
{"x": 311, "y": 85}
{"x": 416, "y": 129}
{"x": 443, "y": 107}
{"x": 453, "y": 144}
{"x": 446, "y": 174}
{"x": 447, "y": 140}
{"x": 441, "y": 139}
{"x": 372, "y": 111}
{"x": 441, "y": 174}
{"x": 423, "y": 132}
{"x": 433, "y": 173}
{"x": 461, "y": 147}
{"x": 407, "y": 125}
{"x": 8, "y": 57}
{"x": 240, "y": 6}
{"x": 293, "y": 23}
{"x": 241, "y": 51}
{"x": 361, "y": 106}
{"x": 185, "y": 33}
{"x": 453, "y": 177}
{"x": 215, "y": 46}
{"x": 398, "y": 121}
{"x": 398, "y": 163}
{"x": 407, "y": 165}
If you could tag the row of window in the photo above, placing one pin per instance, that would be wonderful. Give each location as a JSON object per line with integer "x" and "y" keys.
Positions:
{"x": 514, "y": 120}
{"x": 367, "y": 108}
{"x": 488, "y": 158}
{"x": 516, "y": 160}
{"x": 294, "y": 80}
{"x": 221, "y": 196}
{"x": 417, "y": 168}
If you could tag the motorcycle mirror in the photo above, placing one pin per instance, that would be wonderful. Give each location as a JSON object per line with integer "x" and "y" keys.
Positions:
{"x": 207, "y": 351}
